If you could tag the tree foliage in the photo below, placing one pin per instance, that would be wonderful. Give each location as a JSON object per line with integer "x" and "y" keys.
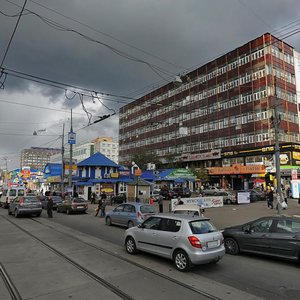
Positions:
{"x": 201, "y": 174}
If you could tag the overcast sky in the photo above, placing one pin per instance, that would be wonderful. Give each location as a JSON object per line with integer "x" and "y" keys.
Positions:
{"x": 87, "y": 44}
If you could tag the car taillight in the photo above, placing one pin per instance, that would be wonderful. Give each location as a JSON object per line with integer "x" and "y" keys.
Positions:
{"x": 195, "y": 242}
{"x": 22, "y": 201}
{"x": 140, "y": 216}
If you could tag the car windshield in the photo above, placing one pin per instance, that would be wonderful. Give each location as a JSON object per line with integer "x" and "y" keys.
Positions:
{"x": 200, "y": 227}
{"x": 30, "y": 199}
{"x": 12, "y": 193}
{"x": 78, "y": 200}
{"x": 146, "y": 209}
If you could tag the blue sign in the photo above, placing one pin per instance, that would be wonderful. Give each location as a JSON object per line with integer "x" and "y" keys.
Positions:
{"x": 71, "y": 138}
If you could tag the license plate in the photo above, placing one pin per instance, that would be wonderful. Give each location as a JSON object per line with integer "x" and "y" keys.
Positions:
{"x": 213, "y": 244}
{"x": 80, "y": 206}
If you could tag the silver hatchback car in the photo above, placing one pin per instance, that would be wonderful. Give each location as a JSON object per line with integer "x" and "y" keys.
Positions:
{"x": 185, "y": 239}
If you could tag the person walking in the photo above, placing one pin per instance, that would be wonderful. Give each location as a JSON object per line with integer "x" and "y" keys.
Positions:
{"x": 161, "y": 203}
{"x": 102, "y": 212}
{"x": 49, "y": 206}
{"x": 93, "y": 198}
{"x": 99, "y": 207}
{"x": 270, "y": 198}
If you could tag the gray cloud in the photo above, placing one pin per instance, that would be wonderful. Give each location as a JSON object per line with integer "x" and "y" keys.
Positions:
{"x": 177, "y": 34}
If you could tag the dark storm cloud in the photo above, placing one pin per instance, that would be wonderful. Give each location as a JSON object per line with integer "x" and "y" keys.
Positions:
{"x": 177, "y": 34}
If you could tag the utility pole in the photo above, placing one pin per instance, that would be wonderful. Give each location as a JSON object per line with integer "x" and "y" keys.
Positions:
{"x": 62, "y": 159}
{"x": 276, "y": 121}
{"x": 71, "y": 141}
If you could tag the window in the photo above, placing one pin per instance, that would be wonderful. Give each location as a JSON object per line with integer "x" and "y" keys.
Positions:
{"x": 261, "y": 225}
{"x": 119, "y": 208}
{"x": 199, "y": 227}
{"x": 152, "y": 223}
{"x": 288, "y": 226}
{"x": 170, "y": 225}
{"x": 129, "y": 208}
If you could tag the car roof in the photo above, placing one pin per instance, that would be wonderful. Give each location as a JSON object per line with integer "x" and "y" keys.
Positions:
{"x": 187, "y": 207}
{"x": 182, "y": 217}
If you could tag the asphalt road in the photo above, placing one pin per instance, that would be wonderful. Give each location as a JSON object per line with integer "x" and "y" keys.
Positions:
{"x": 260, "y": 276}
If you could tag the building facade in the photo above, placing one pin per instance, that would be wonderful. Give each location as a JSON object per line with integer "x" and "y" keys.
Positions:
{"x": 37, "y": 157}
{"x": 107, "y": 147}
{"x": 221, "y": 109}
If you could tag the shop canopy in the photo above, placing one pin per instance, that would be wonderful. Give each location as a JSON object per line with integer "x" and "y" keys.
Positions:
{"x": 176, "y": 175}
{"x": 97, "y": 160}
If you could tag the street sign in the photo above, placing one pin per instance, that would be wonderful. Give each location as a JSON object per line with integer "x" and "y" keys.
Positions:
{"x": 71, "y": 138}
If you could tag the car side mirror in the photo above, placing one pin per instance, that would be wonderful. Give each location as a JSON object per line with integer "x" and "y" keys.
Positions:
{"x": 247, "y": 230}
{"x": 141, "y": 226}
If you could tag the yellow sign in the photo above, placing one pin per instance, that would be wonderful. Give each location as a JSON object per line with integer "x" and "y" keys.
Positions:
{"x": 114, "y": 175}
{"x": 138, "y": 172}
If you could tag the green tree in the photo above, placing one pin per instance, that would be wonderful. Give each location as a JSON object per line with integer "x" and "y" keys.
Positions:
{"x": 141, "y": 159}
{"x": 201, "y": 173}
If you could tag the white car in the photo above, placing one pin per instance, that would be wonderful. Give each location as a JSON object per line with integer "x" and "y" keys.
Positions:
{"x": 213, "y": 190}
{"x": 10, "y": 193}
{"x": 185, "y": 239}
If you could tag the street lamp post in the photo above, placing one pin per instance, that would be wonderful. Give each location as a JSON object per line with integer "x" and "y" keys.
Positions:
{"x": 71, "y": 141}
{"x": 62, "y": 159}
{"x": 276, "y": 121}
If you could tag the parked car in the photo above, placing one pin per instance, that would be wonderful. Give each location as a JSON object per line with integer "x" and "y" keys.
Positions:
{"x": 213, "y": 190}
{"x": 255, "y": 195}
{"x": 72, "y": 205}
{"x": 229, "y": 197}
{"x": 10, "y": 193}
{"x": 183, "y": 192}
{"x": 277, "y": 236}
{"x": 129, "y": 214}
{"x": 56, "y": 200}
{"x": 120, "y": 198}
{"x": 25, "y": 205}
{"x": 190, "y": 209}
{"x": 185, "y": 239}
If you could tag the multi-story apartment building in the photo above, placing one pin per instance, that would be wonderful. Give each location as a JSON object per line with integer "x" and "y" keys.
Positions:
{"x": 222, "y": 114}
{"x": 37, "y": 157}
{"x": 107, "y": 147}
{"x": 104, "y": 145}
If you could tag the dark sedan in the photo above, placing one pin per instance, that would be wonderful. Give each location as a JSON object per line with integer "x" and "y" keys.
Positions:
{"x": 277, "y": 236}
{"x": 72, "y": 205}
{"x": 56, "y": 200}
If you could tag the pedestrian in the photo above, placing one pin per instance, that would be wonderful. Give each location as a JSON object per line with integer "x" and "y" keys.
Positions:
{"x": 270, "y": 198}
{"x": 102, "y": 213}
{"x": 179, "y": 201}
{"x": 49, "y": 206}
{"x": 93, "y": 198}
{"x": 161, "y": 203}
{"x": 99, "y": 207}
{"x": 284, "y": 194}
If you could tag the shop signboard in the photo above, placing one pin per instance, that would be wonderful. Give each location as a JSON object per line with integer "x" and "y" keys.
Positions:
{"x": 243, "y": 197}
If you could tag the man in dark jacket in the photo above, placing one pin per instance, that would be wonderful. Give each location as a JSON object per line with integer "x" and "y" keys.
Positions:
{"x": 49, "y": 206}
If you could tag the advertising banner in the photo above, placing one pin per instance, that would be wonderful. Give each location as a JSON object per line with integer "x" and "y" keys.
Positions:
{"x": 205, "y": 202}
{"x": 243, "y": 197}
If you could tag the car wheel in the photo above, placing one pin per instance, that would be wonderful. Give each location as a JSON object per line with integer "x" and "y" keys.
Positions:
{"x": 9, "y": 212}
{"x": 182, "y": 261}
{"x": 38, "y": 215}
{"x": 228, "y": 201}
{"x": 68, "y": 211}
{"x": 108, "y": 221}
{"x": 130, "y": 245}
{"x": 130, "y": 224}
{"x": 231, "y": 246}
{"x": 16, "y": 214}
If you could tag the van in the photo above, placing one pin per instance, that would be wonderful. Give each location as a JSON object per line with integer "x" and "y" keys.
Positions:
{"x": 10, "y": 193}
{"x": 189, "y": 209}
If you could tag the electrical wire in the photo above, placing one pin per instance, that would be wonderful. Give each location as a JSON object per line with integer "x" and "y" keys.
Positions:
{"x": 13, "y": 34}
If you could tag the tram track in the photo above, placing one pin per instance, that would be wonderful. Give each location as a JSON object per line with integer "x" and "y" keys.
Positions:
{"x": 14, "y": 294}
{"x": 99, "y": 279}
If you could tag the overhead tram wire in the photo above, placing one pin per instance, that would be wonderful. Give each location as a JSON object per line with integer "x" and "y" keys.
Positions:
{"x": 13, "y": 34}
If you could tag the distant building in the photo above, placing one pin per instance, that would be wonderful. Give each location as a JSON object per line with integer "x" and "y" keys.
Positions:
{"x": 107, "y": 147}
{"x": 104, "y": 145}
{"x": 37, "y": 157}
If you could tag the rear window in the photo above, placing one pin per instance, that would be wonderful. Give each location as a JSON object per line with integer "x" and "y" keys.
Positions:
{"x": 187, "y": 212}
{"x": 200, "y": 227}
{"x": 78, "y": 200}
{"x": 146, "y": 209}
{"x": 21, "y": 192}
{"x": 30, "y": 199}
{"x": 13, "y": 193}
